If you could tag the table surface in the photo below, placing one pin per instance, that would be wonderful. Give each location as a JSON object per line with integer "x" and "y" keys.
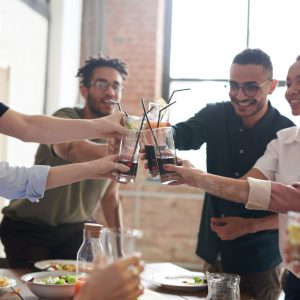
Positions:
{"x": 152, "y": 292}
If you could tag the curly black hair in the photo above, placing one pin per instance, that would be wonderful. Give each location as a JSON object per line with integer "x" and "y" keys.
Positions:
{"x": 85, "y": 72}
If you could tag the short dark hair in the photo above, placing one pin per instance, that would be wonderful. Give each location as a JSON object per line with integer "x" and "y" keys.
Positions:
{"x": 85, "y": 72}
{"x": 255, "y": 57}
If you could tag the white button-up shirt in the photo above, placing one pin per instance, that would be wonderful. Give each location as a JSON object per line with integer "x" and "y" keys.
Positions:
{"x": 22, "y": 182}
{"x": 280, "y": 163}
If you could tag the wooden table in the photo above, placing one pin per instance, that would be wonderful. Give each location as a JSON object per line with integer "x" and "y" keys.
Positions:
{"x": 152, "y": 292}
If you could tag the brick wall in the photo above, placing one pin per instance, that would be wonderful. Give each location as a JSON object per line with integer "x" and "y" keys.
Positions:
{"x": 168, "y": 216}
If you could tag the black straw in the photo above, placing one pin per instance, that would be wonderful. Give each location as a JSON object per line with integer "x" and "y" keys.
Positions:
{"x": 150, "y": 127}
{"x": 175, "y": 91}
{"x": 159, "y": 114}
{"x": 119, "y": 106}
{"x": 137, "y": 141}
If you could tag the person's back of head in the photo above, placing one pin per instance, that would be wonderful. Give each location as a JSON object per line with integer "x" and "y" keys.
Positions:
{"x": 255, "y": 57}
{"x": 86, "y": 71}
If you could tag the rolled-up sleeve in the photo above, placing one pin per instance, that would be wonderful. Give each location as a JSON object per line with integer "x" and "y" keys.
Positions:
{"x": 259, "y": 194}
{"x": 22, "y": 182}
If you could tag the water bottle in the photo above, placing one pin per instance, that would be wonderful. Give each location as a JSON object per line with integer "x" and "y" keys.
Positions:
{"x": 89, "y": 250}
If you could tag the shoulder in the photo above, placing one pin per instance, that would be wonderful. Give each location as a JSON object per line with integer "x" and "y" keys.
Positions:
{"x": 289, "y": 135}
{"x": 69, "y": 112}
{"x": 281, "y": 119}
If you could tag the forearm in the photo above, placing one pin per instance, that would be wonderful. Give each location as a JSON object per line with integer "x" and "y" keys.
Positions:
{"x": 111, "y": 206}
{"x": 46, "y": 129}
{"x": 80, "y": 151}
{"x": 231, "y": 189}
{"x": 62, "y": 175}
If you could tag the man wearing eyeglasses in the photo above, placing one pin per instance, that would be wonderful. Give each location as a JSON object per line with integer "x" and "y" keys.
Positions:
{"x": 236, "y": 133}
{"x": 53, "y": 227}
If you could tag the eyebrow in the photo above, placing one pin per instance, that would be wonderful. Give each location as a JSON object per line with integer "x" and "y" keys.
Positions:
{"x": 248, "y": 82}
{"x": 103, "y": 79}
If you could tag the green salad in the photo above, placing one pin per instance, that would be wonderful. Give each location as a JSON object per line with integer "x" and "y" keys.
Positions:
{"x": 60, "y": 280}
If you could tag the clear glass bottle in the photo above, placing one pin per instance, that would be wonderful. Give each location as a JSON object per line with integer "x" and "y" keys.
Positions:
{"x": 87, "y": 253}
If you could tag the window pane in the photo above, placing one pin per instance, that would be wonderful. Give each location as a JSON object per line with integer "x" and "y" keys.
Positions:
{"x": 274, "y": 27}
{"x": 206, "y": 35}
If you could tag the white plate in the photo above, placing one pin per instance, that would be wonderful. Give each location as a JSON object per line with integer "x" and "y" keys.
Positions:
{"x": 11, "y": 282}
{"x": 46, "y": 264}
{"x": 182, "y": 282}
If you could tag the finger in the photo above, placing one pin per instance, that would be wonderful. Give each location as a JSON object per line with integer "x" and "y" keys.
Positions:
{"x": 124, "y": 263}
{"x": 121, "y": 167}
{"x": 170, "y": 167}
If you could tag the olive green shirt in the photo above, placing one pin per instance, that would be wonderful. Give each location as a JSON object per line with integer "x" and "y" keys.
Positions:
{"x": 71, "y": 203}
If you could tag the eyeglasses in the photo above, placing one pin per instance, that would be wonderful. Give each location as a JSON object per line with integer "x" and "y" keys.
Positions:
{"x": 249, "y": 89}
{"x": 102, "y": 84}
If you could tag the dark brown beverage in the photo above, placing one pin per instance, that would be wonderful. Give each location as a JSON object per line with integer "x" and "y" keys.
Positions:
{"x": 167, "y": 176}
{"x": 151, "y": 159}
{"x": 165, "y": 160}
{"x": 132, "y": 165}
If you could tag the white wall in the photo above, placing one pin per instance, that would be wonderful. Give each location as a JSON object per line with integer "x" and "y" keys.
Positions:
{"x": 23, "y": 48}
{"x": 64, "y": 54}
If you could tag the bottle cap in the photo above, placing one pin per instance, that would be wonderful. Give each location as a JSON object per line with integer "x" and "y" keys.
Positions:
{"x": 92, "y": 229}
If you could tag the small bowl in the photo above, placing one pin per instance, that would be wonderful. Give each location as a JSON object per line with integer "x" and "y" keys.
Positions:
{"x": 49, "y": 291}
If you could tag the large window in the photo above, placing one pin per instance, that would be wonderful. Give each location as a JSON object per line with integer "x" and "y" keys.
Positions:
{"x": 206, "y": 35}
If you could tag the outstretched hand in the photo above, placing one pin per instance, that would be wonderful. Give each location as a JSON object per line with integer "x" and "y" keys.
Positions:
{"x": 106, "y": 167}
{"x": 111, "y": 126}
{"x": 188, "y": 174}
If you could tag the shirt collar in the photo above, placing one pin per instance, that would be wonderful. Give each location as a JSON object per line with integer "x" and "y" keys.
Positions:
{"x": 289, "y": 135}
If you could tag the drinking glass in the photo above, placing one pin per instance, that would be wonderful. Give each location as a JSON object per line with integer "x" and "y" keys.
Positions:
{"x": 293, "y": 228}
{"x": 149, "y": 146}
{"x": 129, "y": 155}
{"x": 223, "y": 286}
{"x": 119, "y": 242}
{"x": 165, "y": 153}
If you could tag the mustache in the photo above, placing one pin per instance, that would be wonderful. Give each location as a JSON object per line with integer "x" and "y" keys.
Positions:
{"x": 243, "y": 102}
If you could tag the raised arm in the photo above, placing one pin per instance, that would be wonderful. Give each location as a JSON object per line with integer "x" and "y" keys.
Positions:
{"x": 47, "y": 129}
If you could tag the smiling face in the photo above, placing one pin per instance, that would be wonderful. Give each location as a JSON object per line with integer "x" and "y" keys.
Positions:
{"x": 105, "y": 85}
{"x": 292, "y": 93}
{"x": 250, "y": 109}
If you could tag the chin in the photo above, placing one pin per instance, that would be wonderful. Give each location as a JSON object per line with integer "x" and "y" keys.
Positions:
{"x": 296, "y": 112}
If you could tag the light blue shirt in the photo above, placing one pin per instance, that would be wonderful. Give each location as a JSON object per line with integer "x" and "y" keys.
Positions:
{"x": 22, "y": 182}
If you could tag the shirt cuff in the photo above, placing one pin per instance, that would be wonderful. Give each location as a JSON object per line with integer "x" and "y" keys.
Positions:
{"x": 259, "y": 194}
{"x": 37, "y": 181}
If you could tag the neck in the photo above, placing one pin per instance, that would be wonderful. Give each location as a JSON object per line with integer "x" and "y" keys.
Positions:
{"x": 88, "y": 114}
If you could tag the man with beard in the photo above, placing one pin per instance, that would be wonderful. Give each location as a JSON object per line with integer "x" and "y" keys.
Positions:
{"x": 236, "y": 134}
{"x": 53, "y": 227}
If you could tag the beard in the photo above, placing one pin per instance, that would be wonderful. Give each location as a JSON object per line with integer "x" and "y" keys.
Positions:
{"x": 93, "y": 108}
{"x": 245, "y": 112}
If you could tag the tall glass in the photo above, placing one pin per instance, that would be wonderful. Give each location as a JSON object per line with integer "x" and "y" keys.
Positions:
{"x": 165, "y": 152}
{"x": 119, "y": 242}
{"x": 293, "y": 229}
{"x": 129, "y": 155}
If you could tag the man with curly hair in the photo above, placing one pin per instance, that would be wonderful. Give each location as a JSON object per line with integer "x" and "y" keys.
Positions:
{"x": 53, "y": 227}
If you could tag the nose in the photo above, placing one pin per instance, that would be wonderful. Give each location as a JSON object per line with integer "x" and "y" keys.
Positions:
{"x": 110, "y": 91}
{"x": 240, "y": 94}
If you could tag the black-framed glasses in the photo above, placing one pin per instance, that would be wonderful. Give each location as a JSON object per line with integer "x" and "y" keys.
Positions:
{"x": 249, "y": 89}
{"x": 102, "y": 84}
